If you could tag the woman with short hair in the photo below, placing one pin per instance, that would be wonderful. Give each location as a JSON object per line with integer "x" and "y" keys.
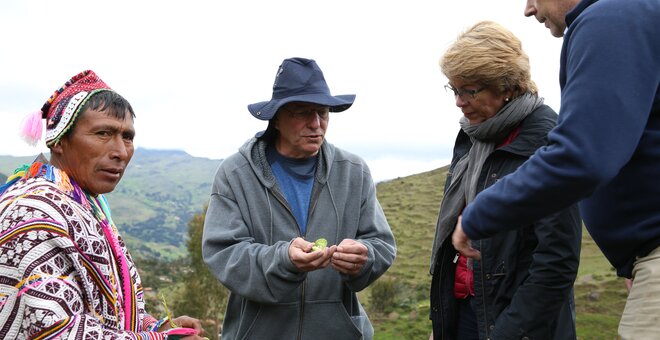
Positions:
{"x": 523, "y": 284}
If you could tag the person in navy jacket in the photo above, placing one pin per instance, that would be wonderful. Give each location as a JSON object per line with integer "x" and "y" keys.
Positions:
{"x": 604, "y": 152}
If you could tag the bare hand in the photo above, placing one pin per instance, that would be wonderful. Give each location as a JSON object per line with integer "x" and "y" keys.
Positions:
{"x": 187, "y": 322}
{"x": 629, "y": 283}
{"x": 462, "y": 243}
{"x": 306, "y": 260}
{"x": 350, "y": 257}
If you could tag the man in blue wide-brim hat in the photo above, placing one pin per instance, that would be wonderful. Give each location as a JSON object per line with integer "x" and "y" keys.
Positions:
{"x": 286, "y": 188}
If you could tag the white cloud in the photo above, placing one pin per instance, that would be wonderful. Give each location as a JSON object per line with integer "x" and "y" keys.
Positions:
{"x": 190, "y": 68}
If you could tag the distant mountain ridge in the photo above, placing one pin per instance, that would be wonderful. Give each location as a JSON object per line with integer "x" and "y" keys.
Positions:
{"x": 159, "y": 193}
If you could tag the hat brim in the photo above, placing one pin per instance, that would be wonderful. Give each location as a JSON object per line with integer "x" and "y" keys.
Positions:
{"x": 266, "y": 110}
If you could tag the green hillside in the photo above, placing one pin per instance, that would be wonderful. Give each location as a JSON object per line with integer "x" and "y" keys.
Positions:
{"x": 9, "y": 163}
{"x": 162, "y": 190}
{"x": 411, "y": 205}
{"x": 158, "y": 196}
{"x": 159, "y": 193}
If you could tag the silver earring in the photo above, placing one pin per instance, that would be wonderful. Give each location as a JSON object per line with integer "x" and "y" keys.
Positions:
{"x": 506, "y": 99}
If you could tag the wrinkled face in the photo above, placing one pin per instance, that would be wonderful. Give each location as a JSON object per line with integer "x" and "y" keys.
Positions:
{"x": 97, "y": 151}
{"x": 552, "y": 13}
{"x": 301, "y": 128}
{"x": 483, "y": 105}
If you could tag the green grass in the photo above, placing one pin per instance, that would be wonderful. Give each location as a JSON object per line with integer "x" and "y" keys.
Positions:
{"x": 159, "y": 193}
{"x": 411, "y": 205}
{"x": 162, "y": 188}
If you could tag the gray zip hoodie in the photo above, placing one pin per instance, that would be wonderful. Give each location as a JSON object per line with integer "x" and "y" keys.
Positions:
{"x": 247, "y": 232}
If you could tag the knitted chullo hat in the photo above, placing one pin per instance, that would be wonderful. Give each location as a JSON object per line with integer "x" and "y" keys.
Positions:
{"x": 62, "y": 108}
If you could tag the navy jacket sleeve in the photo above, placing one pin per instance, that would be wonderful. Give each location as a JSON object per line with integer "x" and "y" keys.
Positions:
{"x": 611, "y": 78}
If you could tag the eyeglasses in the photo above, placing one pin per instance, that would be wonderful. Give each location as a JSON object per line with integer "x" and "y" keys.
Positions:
{"x": 304, "y": 114}
{"x": 465, "y": 94}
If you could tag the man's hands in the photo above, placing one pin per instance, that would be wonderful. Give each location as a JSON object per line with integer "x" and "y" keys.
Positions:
{"x": 348, "y": 257}
{"x": 462, "y": 243}
{"x": 306, "y": 260}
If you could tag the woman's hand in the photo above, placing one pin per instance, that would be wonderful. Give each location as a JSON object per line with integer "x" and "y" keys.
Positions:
{"x": 462, "y": 243}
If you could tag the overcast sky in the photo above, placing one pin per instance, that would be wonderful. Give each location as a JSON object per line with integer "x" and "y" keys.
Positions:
{"x": 190, "y": 68}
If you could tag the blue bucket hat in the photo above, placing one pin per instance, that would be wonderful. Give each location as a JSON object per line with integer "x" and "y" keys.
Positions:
{"x": 300, "y": 80}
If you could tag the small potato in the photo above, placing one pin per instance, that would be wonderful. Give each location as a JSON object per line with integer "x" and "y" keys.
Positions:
{"x": 320, "y": 244}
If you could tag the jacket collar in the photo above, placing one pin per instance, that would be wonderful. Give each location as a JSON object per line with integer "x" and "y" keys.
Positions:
{"x": 254, "y": 150}
{"x": 529, "y": 138}
{"x": 575, "y": 12}
{"x": 524, "y": 143}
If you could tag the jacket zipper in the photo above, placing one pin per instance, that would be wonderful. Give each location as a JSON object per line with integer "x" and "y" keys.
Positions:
{"x": 315, "y": 194}
{"x": 302, "y": 311}
{"x": 282, "y": 200}
{"x": 440, "y": 308}
{"x": 302, "y": 294}
{"x": 481, "y": 265}
{"x": 483, "y": 295}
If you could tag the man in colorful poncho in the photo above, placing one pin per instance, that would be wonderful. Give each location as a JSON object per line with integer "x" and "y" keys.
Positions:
{"x": 64, "y": 270}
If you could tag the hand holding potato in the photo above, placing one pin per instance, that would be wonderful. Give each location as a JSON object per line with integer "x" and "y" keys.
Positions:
{"x": 320, "y": 244}
{"x": 305, "y": 259}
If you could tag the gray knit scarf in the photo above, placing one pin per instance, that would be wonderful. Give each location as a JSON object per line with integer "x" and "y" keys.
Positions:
{"x": 463, "y": 187}
{"x": 484, "y": 134}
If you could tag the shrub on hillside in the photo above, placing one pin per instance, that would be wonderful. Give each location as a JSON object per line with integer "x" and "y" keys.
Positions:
{"x": 383, "y": 295}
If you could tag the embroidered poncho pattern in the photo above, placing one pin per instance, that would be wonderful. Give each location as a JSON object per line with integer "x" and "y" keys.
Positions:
{"x": 64, "y": 270}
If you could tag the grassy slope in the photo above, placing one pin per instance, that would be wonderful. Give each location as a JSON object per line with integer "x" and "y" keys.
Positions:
{"x": 160, "y": 192}
{"x": 411, "y": 205}
{"x": 599, "y": 295}
{"x": 148, "y": 210}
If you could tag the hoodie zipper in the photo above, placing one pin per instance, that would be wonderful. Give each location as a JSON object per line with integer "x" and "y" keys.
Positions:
{"x": 315, "y": 194}
{"x": 283, "y": 201}
{"x": 302, "y": 310}
{"x": 316, "y": 191}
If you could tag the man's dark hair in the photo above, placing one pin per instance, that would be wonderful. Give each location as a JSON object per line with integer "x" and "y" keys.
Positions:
{"x": 109, "y": 101}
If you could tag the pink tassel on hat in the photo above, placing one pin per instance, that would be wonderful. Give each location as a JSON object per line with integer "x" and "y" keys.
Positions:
{"x": 32, "y": 127}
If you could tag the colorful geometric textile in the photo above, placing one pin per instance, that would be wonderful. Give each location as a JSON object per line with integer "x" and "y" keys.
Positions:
{"x": 61, "y": 109}
{"x": 64, "y": 270}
